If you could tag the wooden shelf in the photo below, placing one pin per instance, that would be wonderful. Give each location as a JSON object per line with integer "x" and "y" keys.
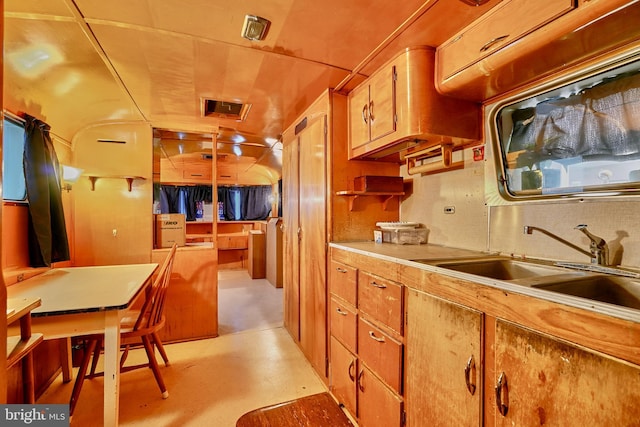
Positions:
{"x": 128, "y": 178}
{"x": 17, "y": 348}
{"x": 353, "y": 195}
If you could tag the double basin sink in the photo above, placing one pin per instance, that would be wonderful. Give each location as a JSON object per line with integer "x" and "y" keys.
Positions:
{"x": 607, "y": 288}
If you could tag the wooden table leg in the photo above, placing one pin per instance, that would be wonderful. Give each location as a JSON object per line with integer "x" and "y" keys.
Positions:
{"x": 66, "y": 359}
{"x": 111, "y": 368}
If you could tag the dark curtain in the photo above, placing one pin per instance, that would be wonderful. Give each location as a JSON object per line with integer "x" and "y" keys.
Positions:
{"x": 48, "y": 240}
{"x": 171, "y": 197}
{"x": 255, "y": 202}
{"x": 228, "y": 202}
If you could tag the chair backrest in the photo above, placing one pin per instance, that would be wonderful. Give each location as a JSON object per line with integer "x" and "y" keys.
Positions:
{"x": 153, "y": 307}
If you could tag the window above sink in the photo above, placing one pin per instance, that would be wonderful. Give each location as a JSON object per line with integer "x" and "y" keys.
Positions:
{"x": 578, "y": 138}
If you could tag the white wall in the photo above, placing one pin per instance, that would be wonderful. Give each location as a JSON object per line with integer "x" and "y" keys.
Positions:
{"x": 500, "y": 228}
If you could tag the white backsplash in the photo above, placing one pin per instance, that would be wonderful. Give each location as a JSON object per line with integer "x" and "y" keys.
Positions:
{"x": 500, "y": 228}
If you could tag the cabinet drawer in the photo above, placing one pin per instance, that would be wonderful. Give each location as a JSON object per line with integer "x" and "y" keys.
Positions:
{"x": 343, "y": 323}
{"x": 381, "y": 299}
{"x": 501, "y": 26}
{"x": 377, "y": 404}
{"x": 344, "y": 281}
{"x": 381, "y": 353}
{"x": 232, "y": 242}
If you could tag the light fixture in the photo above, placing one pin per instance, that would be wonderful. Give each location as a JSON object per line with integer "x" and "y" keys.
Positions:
{"x": 474, "y": 2}
{"x": 69, "y": 176}
{"x": 255, "y": 28}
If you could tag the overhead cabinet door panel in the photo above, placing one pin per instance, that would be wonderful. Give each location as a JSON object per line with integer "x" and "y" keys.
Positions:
{"x": 382, "y": 103}
{"x": 503, "y": 25}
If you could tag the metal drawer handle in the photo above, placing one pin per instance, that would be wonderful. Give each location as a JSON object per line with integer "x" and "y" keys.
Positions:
{"x": 360, "y": 386}
{"x": 502, "y": 395}
{"x": 488, "y": 45}
{"x": 372, "y": 117}
{"x": 344, "y": 313}
{"x": 470, "y": 375}
{"x": 365, "y": 114}
{"x": 340, "y": 270}
{"x": 374, "y": 337}
{"x": 378, "y": 285}
{"x": 352, "y": 366}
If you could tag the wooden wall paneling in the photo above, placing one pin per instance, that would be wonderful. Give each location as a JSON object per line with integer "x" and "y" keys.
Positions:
{"x": 313, "y": 289}
{"x": 110, "y": 206}
{"x": 290, "y": 257}
{"x": 191, "y": 309}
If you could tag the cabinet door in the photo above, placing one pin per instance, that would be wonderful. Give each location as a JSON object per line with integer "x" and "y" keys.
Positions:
{"x": 551, "y": 382}
{"x": 377, "y": 405}
{"x": 442, "y": 340}
{"x": 290, "y": 275}
{"x": 382, "y": 103}
{"x": 313, "y": 258}
{"x": 343, "y": 375}
{"x": 504, "y": 24}
{"x": 359, "y": 116}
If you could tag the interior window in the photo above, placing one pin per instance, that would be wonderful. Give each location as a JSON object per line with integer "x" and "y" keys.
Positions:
{"x": 13, "y": 183}
{"x": 580, "y": 138}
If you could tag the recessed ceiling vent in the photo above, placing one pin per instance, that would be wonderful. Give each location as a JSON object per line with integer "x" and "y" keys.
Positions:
{"x": 225, "y": 110}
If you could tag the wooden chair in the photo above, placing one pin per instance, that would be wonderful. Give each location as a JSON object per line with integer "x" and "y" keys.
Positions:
{"x": 136, "y": 326}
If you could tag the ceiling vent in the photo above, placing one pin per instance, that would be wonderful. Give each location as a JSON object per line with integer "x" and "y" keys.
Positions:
{"x": 225, "y": 110}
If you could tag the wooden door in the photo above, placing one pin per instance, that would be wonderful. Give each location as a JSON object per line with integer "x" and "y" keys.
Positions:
{"x": 290, "y": 271}
{"x": 441, "y": 339}
{"x": 359, "y": 117}
{"x": 382, "y": 103}
{"x": 313, "y": 246}
{"x": 546, "y": 381}
{"x": 343, "y": 375}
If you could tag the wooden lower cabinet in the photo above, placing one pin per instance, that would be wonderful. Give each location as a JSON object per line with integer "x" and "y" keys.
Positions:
{"x": 343, "y": 375}
{"x": 547, "y": 381}
{"x": 191, "y": 307}
{"x": 378, "y": 405}
{"x": 443, "y": 362}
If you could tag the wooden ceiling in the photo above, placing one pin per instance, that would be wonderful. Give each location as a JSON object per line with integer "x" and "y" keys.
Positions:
{"x": 73, "y": 63}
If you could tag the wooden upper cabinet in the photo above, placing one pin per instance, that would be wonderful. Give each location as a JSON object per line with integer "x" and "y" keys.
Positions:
{"x": 376, "y": 103}
{"x": 522, "y": 42}
{"x": 546, "y": 381}
{"x": 504, "y": 24}
{"x": 398, "y": 107}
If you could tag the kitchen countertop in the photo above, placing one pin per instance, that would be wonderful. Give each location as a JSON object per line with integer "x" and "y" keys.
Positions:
{"x": 404, "y": 254}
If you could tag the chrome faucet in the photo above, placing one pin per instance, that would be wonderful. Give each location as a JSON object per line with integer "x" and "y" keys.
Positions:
{"x": 599, "y": 251}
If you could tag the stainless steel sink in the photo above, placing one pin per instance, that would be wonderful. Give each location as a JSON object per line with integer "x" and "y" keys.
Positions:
{"x": 501, "y": 268}
{"x": 613, "y": 290}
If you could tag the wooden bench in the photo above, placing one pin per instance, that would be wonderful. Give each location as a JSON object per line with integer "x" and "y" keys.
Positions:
{"x": 318, "y": 410}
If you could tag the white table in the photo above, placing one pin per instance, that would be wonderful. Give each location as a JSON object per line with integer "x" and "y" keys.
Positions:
{"x": 80, "y": 301}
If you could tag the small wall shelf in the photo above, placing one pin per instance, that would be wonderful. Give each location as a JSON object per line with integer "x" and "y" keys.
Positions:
{"x": 384, "y": 196}
{"x": 128, "y": 178}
